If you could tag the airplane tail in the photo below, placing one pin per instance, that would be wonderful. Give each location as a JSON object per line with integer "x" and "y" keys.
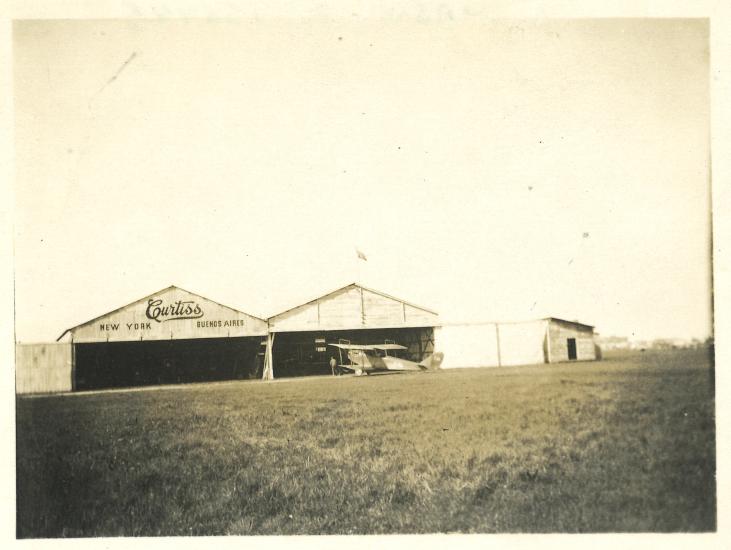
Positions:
{"x": 433, "y": 362}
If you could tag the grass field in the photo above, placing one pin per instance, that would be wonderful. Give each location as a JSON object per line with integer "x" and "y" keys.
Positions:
{"x": 624, "y": 444}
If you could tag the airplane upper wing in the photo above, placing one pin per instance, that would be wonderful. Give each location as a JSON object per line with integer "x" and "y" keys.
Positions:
{"x": 388, "y": 346}
{"x": 352, "y": 346}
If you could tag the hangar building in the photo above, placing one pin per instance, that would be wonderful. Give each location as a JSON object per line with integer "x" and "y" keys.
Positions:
{"x": 354, "y": 314}
{"x": 167, "y": 337}
{"x": 176, "y": 336}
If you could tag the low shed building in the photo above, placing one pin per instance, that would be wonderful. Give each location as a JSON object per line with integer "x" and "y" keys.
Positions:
{"x": 44, "y": 367}
{"x": 549, "y": 340}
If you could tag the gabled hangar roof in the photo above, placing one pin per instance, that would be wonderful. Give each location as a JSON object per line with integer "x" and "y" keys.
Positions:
{"x": 170, "y": 290}
{"x": 358, "y": 286}
{"x": 351, "y": 307}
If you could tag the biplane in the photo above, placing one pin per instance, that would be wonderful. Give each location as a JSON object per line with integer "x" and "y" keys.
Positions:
{"x": 380, "y": 357}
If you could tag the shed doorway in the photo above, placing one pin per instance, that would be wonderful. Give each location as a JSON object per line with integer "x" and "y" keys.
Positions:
{"x": 571, "y": 344}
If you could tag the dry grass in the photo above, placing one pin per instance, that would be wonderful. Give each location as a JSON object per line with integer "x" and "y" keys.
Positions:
{"x": 619, "y": 445}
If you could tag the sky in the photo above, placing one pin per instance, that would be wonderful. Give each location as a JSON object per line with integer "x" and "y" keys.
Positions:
{"x": 488, "y": 169}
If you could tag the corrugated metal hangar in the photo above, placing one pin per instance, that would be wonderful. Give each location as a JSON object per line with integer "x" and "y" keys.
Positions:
{"x": 176, "y": 336}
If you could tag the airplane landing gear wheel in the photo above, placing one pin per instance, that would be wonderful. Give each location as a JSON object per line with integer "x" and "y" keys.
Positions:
{"x": 359, "y": 372}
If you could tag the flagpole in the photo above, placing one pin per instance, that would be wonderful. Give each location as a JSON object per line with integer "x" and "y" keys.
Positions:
{"x": 357, "y": 266}
{"x": 358, "y": 257}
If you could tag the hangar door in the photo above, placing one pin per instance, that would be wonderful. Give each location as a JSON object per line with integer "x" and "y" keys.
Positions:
{"x": 150, "y": 362}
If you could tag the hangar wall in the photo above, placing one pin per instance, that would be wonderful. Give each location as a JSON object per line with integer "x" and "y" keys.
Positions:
{"x": 522, "y": 343}
{"x": 467, "y": 345}
{"x": 512, "y": 344}
{"x": 43, "y": 368}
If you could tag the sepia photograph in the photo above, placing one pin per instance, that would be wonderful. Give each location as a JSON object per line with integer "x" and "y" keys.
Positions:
{"x": 362, "y": 276}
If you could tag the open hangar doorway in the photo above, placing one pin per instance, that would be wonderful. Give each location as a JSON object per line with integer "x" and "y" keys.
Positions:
{"x": 103, "y": 365}
{"x": 307, "y": 353}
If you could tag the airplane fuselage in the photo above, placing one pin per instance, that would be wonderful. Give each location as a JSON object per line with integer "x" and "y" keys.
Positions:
{"x": 369, "y": 363}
